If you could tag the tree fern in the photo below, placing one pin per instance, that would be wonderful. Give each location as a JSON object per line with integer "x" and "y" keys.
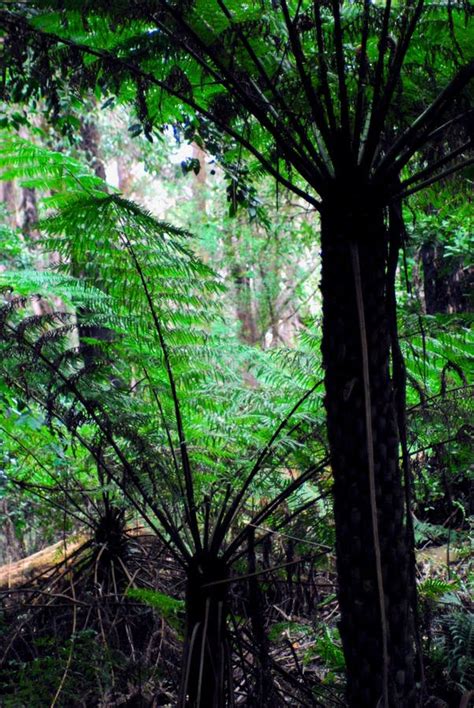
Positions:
{"x": 198, "y": 475}
{"x": 160, "y": 304}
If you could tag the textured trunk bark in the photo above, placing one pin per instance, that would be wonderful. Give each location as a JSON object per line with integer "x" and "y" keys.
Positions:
{"x": 244, "y": 310}
{"x": 206, "y": 654}
{"x": 359, "y": 598}
{"x": 8, "y": 197}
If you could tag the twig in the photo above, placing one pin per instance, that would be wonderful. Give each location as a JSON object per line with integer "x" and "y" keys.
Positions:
{"x": 69, "y": 659}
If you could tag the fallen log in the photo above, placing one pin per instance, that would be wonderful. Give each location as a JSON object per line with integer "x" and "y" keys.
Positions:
{"x": 25, "y": 570}
{"x": 21, "y": 572}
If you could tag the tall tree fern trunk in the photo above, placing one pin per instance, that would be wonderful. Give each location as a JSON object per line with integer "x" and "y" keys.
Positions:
{"x": 205, "y": 669}
{"x": 359, "y": 584}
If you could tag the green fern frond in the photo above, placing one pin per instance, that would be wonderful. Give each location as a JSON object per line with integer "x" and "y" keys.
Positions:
{"x": 459, "y": 647}
{"x": 37, "y": 166}
{"x": 435, "y": 588}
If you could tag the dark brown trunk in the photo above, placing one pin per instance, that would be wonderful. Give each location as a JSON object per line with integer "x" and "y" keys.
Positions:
{"x": 29, "y": 212}
{"x": 264, "y": 694}
{"x": 91, "y": 145}
{"x": 205, "y": 667}
{"x": 446, "y": 282}
{"x": 359, "y": 588}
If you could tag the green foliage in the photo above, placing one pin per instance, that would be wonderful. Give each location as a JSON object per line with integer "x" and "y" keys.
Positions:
{"x": 158, "y": 307}
{"x": 38, "y": 167}
{"x": 239, "y": 70}
{"x": 183, "y": 290}
{"x": 328, "y": 647}
{"x": 438, "y": 352}
{"x": 434, "y": 589}
{"x": 325, "y": 647}
{"x": 443, "y": 216}
{"x": 460, "y": 648}
{"x": 14, "y": 252}
{"x": 149, "y": 392}
{"x": 434, "y": 533}
{"x": 167, "y": 607}
{"x": 452, "y": 654}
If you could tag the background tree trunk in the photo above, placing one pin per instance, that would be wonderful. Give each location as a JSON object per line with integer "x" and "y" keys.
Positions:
{"x": 11, "y": 548}
{"x": 90, "y": 144}
{"x": 8, "y": 197}
{"x": 360, "y": 627}
{"x": 29, "y": 212}
{"x": 446, "y": 282}
{"x": 244, "y": 305}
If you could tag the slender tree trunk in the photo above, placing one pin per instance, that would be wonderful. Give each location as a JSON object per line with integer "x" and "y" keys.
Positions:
{"x": 29, "y": 212}
{"x": 125, "y": 178}
{"x": 91, "y": 145}
{"x": 199, "y": 183}
{"x": 8, "y": 197}
{"x": 359, "y": 588}
{"x": 244, "y": 306}
{"x": 206, "y": 654}
{"x": 11, "y": 548}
